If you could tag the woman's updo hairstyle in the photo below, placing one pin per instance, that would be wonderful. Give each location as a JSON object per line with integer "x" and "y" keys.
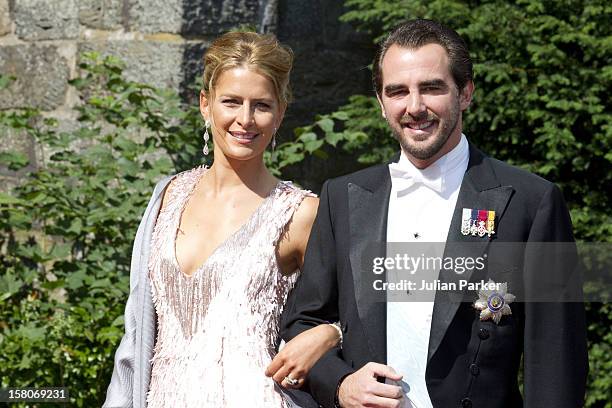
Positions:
{"x": 261, "y": 53}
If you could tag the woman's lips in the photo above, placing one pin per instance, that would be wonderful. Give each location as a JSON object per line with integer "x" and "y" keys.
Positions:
{"x": 244, "y": 137}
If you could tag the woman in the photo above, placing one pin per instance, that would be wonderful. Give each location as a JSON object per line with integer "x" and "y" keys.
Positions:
{"x": 217, "y": 250}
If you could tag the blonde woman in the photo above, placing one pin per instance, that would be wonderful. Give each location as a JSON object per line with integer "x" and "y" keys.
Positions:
{"x": 218, "y": 251}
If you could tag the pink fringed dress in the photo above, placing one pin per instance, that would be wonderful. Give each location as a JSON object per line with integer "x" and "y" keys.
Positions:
{"x": 217, "y": 328}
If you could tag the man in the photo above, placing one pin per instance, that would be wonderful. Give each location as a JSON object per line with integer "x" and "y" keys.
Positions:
{"x": 442, "y": 189}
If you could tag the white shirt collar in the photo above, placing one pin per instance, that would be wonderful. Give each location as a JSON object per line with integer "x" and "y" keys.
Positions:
{"x": 449, "y": 168}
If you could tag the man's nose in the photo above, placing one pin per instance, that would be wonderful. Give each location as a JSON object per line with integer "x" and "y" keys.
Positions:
{"x": 415, "y": 106}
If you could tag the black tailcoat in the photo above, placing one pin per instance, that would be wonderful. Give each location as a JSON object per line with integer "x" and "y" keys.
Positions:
{"x": 470, "y": 363}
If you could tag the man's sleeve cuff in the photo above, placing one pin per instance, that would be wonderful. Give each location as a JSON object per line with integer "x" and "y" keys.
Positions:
{"x": 325, "y": 377}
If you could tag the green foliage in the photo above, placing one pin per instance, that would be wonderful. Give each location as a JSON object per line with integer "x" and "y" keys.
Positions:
{"x": 542, "y": 79}
{"x": 600, "y": 351}
{"x": 542, "y": 74}
{"x": 66, "y": 232}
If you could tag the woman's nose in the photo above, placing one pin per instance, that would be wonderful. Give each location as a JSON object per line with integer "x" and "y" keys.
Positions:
{"x": 245, "y": 116}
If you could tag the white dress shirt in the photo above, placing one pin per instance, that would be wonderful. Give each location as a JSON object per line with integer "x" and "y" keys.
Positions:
{"x": 419, "y": 213}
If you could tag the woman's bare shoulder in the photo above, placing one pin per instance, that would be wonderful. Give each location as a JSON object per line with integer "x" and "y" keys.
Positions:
{"x": 175, "y": 182}
{"x": 307, "y": 211}
{"x": 303, "y": 218}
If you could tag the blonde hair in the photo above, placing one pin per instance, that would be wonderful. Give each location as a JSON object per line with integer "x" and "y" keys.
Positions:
{"x": 260, "y": 52}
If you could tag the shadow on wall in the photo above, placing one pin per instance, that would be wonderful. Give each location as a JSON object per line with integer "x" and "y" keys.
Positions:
{"x": 331, "y": 64}
{"x": 331, "y": 59}
{"x": 204, "y": 20}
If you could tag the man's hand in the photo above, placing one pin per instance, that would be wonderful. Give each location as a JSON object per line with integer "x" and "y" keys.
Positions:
{"x": 361, "y": 389}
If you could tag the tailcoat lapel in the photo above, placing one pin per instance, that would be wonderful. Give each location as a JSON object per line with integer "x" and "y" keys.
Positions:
{"x": 368, "y": 202}
{"x": 480, "y": 189}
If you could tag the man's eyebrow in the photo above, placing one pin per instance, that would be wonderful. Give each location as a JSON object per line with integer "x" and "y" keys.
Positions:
{"x": 433, "y": 83}
{"x": 394, "y": 87}
{"x": 436, "y": 83}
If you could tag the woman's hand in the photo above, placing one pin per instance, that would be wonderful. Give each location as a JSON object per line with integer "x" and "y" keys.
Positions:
{"x": 298, "y": 356}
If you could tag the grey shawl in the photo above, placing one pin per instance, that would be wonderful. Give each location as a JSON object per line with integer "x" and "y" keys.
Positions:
{"x": 132, "y": 371}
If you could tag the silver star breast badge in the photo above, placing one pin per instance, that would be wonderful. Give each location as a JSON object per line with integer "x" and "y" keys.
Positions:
{"x": 494, "y": 303}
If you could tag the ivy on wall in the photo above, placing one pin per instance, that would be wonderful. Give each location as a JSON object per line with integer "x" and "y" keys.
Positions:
{"x": 66, "y": 231}
{"x": 542, "y": 79}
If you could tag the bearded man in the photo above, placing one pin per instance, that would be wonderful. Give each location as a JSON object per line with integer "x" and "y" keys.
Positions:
{"x": 443, "y": 352}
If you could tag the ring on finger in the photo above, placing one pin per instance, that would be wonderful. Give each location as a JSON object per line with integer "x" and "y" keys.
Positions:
{"x": 291, "y": 381}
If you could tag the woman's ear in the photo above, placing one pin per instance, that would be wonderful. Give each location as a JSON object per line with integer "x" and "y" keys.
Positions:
{"x": 281, "y": 115}
{"x": 204, "y": 106}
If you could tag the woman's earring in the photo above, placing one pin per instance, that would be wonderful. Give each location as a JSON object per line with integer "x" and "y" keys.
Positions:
{"x": 206, "y": 138}
{"x": 274, "y": 140}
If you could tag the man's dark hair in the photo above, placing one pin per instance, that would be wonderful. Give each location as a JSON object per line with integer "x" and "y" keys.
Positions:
{"x": 414, "y": 34}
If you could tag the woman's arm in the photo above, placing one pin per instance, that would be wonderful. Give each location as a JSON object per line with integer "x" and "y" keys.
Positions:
{"x": 293, "y": 242}
{"x": 297, "y": 357}
{"x": 314, "y": 300}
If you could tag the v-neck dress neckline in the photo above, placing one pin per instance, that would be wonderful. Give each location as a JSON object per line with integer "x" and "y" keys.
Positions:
{"x": 217, "y": 328}
{"x": 223, "y": 243}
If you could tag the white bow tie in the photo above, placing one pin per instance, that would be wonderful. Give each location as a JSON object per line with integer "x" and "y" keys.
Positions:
{"x": 403, "y": 178}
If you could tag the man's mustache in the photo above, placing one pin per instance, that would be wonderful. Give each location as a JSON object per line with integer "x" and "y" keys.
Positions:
{"x": 425, "y": 117}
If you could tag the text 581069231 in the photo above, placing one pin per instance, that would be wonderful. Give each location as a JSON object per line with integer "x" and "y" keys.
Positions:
{"x": 33, "y": 394}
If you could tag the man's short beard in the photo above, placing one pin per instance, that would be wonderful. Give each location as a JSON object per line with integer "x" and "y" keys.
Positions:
{"x": 425, "y": 152}
{"x": 428, "y": 151}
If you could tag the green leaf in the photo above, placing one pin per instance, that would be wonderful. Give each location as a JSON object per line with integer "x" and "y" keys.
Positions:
{"x": 75, "y": 280}
{"x": 340, "y": 115}
{"x": 326, "y": 124}
{"x": 307, "y": 137}
{"x": 14, "y": 160}
{"x": 9, "y": 284}
{"x": 313, "y": 145}
{"x": 5, "y": 80}
{"x": 333, "y": 138}
{"x": 60, "y": 251}
{"x": 8, "y": 199}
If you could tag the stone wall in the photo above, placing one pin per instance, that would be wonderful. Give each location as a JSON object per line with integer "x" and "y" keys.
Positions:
{"x": 162, "y": 41}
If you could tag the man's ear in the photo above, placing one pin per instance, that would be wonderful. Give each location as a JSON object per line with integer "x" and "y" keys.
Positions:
{"x": 204, "y": 106}
{"x": 465, "y": 97}
{"x": 382, "y": 107}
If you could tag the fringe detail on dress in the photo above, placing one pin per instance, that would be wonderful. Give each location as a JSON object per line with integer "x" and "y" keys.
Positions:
{"x": 217, "y": 328}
